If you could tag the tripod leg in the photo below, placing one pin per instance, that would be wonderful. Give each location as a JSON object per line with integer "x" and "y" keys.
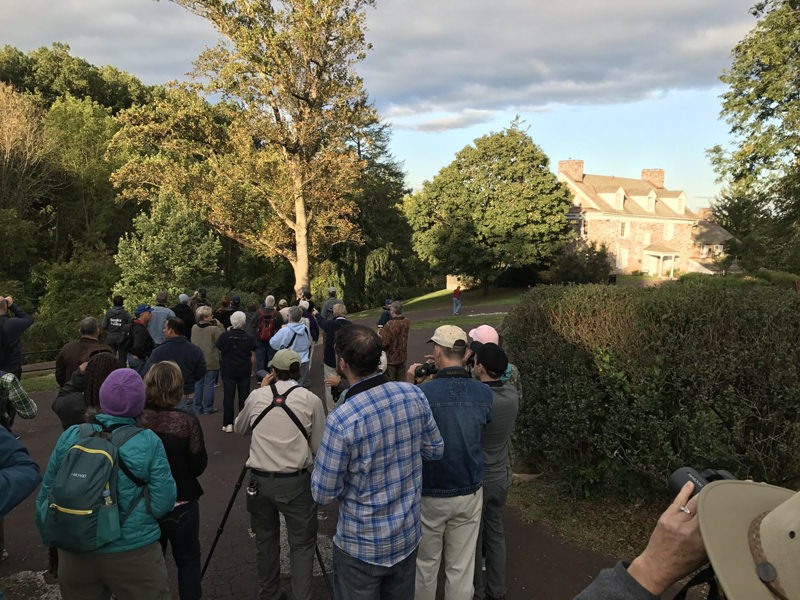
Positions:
{"x": 324, "y": 572}
{"x": 236, "y": 489}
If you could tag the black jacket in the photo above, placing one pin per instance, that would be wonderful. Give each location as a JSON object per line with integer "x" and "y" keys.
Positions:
{"x": 183, "y": 441}
{"x": 141, "y": 344}
{"x": 115, "y": 319}
{"x": 184, "y": 313}
{"x": 70, "y": 405}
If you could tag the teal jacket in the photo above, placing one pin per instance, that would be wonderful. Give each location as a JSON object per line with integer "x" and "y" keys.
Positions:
{"x": 144, "y": 455}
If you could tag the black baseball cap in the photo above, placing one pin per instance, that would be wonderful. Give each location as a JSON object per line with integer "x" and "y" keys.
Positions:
{"x": 491, "y": 356}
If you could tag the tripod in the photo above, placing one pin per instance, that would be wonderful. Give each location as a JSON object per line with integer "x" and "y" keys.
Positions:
{"x": 236, "y": 489}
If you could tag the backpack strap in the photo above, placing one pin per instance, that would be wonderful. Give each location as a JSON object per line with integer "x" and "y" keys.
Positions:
{"x": 280, "y": 400}
{"x": 108, "y": 433}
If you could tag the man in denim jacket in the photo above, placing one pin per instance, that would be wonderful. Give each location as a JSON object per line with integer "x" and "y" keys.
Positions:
{"x": 452, "y": 494}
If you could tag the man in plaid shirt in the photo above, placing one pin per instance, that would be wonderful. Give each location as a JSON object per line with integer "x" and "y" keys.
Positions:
{"x": 14, "y": 400}
{"x": 370, "y": 459}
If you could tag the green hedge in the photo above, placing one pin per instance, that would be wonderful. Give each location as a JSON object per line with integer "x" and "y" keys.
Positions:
{"x": 622, "y": 385}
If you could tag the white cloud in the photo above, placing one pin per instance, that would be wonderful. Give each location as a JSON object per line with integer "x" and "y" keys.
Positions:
{"x": 461, "y": 58}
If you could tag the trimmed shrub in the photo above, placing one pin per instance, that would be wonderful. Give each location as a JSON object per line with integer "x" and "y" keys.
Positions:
{"x": 622, "y": 385}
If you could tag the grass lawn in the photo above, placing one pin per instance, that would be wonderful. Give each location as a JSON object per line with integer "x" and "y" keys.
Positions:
{"x": 607, "y": 526}
{"x": 444, "y": 299}
{"x": 633, "y": 278}
{"x": 466, "y": 323}
{"x": 41, "y": 381}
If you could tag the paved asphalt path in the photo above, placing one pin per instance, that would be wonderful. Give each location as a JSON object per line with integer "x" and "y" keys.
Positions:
{"x": 540, "y": 565}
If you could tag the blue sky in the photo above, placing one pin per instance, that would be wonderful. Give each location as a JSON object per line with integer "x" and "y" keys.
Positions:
{"x": 622, "y": 84}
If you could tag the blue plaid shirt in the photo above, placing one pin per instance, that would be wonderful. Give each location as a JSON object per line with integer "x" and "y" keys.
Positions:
{"x": 371, "y": 460}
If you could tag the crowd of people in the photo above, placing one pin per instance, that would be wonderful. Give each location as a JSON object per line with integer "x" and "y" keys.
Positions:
{"x": 417, "y": 457}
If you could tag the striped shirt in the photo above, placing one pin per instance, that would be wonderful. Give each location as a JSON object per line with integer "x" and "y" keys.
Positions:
{"x": 370, "y": 459}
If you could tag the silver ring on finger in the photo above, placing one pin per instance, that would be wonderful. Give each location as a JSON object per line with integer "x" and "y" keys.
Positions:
{"x": 686, "y": 510}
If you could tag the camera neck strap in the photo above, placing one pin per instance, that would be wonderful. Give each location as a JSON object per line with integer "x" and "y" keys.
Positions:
{"x": 703, "y": 577}
{"x": 280, "y": 400}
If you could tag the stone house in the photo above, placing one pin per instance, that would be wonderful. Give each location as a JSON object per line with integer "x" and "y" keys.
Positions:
{"x": 645, "y": 226}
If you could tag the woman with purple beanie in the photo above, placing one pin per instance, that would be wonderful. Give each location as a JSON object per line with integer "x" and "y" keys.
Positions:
{"x": 132, "y": 566}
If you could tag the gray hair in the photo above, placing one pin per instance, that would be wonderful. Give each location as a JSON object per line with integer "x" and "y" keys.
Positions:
{"x": 295, "y": 314}
{"x": 237, "y": 319}
{"x": 89, "y": 326}
{"x": 397, "y": 307}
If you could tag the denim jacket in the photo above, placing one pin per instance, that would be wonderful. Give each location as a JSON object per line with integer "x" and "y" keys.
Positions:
{"x": 461, "y": 407}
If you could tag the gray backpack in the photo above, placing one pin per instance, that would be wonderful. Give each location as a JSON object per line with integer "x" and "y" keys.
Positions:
{"x": 82, "y": 513}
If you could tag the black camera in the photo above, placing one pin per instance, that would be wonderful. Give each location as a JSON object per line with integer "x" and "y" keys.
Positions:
{"x": 426, "y": 370}
{"x": 252, "y": 488}
{"x": 679, "y": 478}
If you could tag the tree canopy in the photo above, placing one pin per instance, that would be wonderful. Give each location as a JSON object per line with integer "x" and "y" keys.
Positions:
{"x": 762, "y": 106}
{"x": 496, "y": 205}
{"x": 274, "y": 171}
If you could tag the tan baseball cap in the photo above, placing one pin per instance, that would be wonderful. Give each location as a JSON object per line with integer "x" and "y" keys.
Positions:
{"x": 751, "y": 532}
{"x": 284, "y": 359}
{"x": 449, "y": 336}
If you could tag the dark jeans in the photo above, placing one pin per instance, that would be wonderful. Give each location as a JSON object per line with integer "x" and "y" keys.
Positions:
{"x": 230, "y": 385}
{"x": 181, "y": 529}
{"x": 491, "y": 545}
{"x": 354, "y": 579}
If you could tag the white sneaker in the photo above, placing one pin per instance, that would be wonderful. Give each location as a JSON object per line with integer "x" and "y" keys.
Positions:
{"x": 227, "y": 428}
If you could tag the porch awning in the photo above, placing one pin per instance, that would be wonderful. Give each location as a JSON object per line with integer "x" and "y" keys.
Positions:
{"x": 659, "y": 250}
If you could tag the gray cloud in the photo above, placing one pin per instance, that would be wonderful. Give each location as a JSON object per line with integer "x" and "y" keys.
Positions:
{"x": 462, "y": 58}
{"x": 466, "y": 118}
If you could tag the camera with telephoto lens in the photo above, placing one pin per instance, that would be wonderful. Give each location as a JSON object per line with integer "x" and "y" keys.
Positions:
{"x": 679, "y": 478}
{"x": 426, "y": 370}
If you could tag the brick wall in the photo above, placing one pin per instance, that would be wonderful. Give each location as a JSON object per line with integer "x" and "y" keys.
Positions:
{"x": 607, "y": 231}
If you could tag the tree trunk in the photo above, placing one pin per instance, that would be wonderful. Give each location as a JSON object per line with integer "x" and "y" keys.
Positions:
{"x": 300, "y": 266}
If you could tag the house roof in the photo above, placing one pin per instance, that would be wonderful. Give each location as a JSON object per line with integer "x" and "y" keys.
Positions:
{"x": 708, "y": 263}
{"x": 659, "y": 249}
{"x": 707, "y": 232}
{"x": 594, "y": 185}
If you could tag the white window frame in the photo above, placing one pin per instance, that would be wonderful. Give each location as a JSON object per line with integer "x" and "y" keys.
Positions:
{"x": 719, "y": 249}
{"x": 619, "y": 202}
{"x": 651, "y": 204}
{"x": 622, "y": 258}
{"x": 584, "y": 228}
{"x": 703, "y": 250}
{"x": 646, "y": 238}
{"x": 669, "y": 231}
{"x": 624, "y": 229}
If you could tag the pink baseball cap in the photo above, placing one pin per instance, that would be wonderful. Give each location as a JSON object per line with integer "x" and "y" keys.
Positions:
{"x": 485, "y": 334}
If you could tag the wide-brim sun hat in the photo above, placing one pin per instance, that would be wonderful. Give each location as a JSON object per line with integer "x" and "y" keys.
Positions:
{"x": 751, "y": 532}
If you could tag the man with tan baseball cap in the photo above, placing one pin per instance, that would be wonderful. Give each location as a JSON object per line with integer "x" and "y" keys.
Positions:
{"x": 452, "y": 488}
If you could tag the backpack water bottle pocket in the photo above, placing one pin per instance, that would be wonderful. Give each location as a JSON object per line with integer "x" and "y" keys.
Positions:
{"x": 108, "y": 528}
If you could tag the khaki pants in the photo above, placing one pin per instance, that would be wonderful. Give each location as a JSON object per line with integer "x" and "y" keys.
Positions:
{"x": 396, "y": 372}
{"x": 328, "y": 371}
{"x": 449, "y": 527}
{"x": 139, "y": 574}
{"x": 291, "y": 497}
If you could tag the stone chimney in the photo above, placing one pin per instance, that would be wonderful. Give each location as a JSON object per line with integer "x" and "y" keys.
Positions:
{"x": 654, "y": 177}
{"x": 573, "y": 168}
{"x": 706, "y": 214}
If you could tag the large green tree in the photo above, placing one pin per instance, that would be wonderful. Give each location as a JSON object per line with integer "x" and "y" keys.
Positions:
{"x": 762, "y": 107}
{"x": 287, "y": 70}
{"x": 496, "y": 205}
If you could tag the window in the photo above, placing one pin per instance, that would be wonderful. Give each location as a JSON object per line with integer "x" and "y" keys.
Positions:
{"x": 719, "y": 249}
{"x": 703, "y": 250}
{"x": 646, "y": 238}
{"x": 624, "y": 229}
{"x": 681, "y": 205}
{"x": 622, "y": 258}
{"x": 620, "y": 201}
{"x": 651, "y": 204}
{"x": 669, "y": 231}
{"x": 585, "y": 228}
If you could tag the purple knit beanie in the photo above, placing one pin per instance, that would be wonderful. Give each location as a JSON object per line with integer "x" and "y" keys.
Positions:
{"x": 122, "y": 394}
